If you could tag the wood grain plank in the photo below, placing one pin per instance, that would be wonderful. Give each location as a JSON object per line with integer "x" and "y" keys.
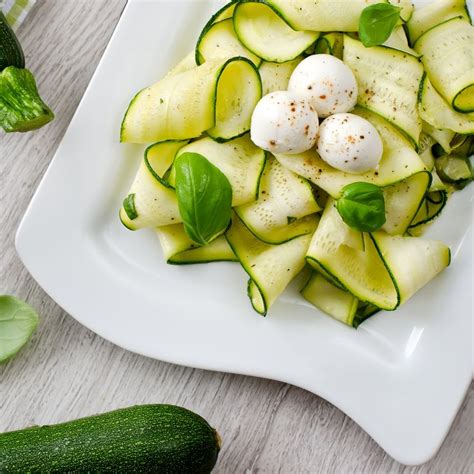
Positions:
{"x": 67, "y": 371}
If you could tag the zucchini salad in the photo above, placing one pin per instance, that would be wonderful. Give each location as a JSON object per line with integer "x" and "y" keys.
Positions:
{"x": 318, "y": 137}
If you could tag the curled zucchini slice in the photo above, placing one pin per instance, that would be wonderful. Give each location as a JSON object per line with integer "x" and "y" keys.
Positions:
{"x": 337, "y": 303}
{"x": 218, "y": 96}
{"x": 433, "y": 14}
{"x": 275, "y": 76}
{"x": 359, "y": 271}
{"x": 388, "y": 271}
{"x": 330, "y": 43}
{"x": 399, "y": 161}
{"x": 388, "y": 82}
{"x": 402, "y": 201}
{"x": 284, "y": 199}
{"x": 151, "y": 201}
{"x": 179, "y": 249}
{"x": 239, "y": 159}
{"x": 436, "y": 111}
{"x": 431, "y": 208}
{"x": 220, "y": 41}
{"x": 270, "y": 267}
{"x": 264, "y": 32}
{"x": 321, "y": 15}
{"x": 446, "y": 51}
{"x": 412, "y": 262}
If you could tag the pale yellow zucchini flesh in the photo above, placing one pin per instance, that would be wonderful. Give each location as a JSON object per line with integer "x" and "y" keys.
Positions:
{"x": 154, "y": 200}
{"x": 284, "y": 200}
{"x": 447, "y": 55}
{"x": 270, "y": 267}
{"x": 179, "y": 249}
{"x": 267, "y": 35}
{"x": 219, "y": 97}
{"x": 240, "y": 161}
{"x": 388, "y": 82}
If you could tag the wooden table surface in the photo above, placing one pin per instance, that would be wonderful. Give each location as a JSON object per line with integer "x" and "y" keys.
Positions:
{"x": 67, "y": 371}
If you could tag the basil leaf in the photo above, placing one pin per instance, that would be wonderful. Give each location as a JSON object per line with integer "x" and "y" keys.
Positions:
{"x": 204, "y": 197}
{"x": 18, "y": 321}
{"x": 362, "y": 206}
{"x": 377, "y": 22}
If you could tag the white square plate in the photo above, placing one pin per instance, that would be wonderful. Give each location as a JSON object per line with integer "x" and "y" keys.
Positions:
{"x": 401, "y": 376}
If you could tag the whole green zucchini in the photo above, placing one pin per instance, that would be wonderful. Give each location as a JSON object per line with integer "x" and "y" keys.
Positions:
{"x": 11, "y": 53}
{"x": 146, "y": 438}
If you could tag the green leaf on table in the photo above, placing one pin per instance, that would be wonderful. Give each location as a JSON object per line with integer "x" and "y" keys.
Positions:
{"x": 204, "y": 197}
{"x": 377, "y": 22}
{"x": 18, "y": 321}
{"x": 362, "y": 206}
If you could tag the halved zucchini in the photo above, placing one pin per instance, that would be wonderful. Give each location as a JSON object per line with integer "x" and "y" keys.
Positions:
{"x": 218, "y": 96}
{"x": 239, "y": 159}
{"x": 388, "y": 82}
{"x": 270, "y": 267}
{"x": 179, "y": 249}
{"x": 437, "y": 112}
{"x": 220, "y": 41}
{"x": 264, "y": 32}
{"x": 275, "y": 76}
{"x": 284, "y": 198}
{"x": 433, "y": 14}
{"x": 447, "y": 56}
{"x": 337, "y": 303}
{"x": 151, "y": 201}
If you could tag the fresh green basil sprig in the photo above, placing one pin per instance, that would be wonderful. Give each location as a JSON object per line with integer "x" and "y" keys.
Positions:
{"x": 377, "y": 22}
{"x": 204, "y": 197}
{"x": 362, "y": 206}
{"x": 18, "y": 321}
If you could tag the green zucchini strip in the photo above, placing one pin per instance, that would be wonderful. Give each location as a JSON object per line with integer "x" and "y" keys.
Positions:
{"x": 433, "y": 14}
{"x": 270, "y": 267}
{"x": 389, "y": 81}
{"x": 264, "y": 32}
{"x": 239, "y": 159}
{"x": 152, "y": 199}
{"x": 284, "y": 199}
{"x": 220, "y": 41}
{"x": 398, "y": 40}
{"x": 402, "y": 201}
{"x": 447, "y": 56}
{"x": 412, "y": 262}
{"x": 360, "y": 271}
{"x": 386, "y": 273}
{"x": 179, "y": 249}
{"x": 430, "y": 209}
{"x": 218, "y": 96}
{"x": 399, "y": 161}
{"x": 436, "y": 111}
{"x": 443, "y": 136}
{"x": 275, "y": 76}
{"x": 337, "y": 303}
{"x": 321, "y": 15}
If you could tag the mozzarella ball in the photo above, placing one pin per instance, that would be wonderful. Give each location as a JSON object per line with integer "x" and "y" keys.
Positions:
{"x": 284, "y": 122}
{"x": 330, "y": 83}
{"x": 349, "y": 143}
